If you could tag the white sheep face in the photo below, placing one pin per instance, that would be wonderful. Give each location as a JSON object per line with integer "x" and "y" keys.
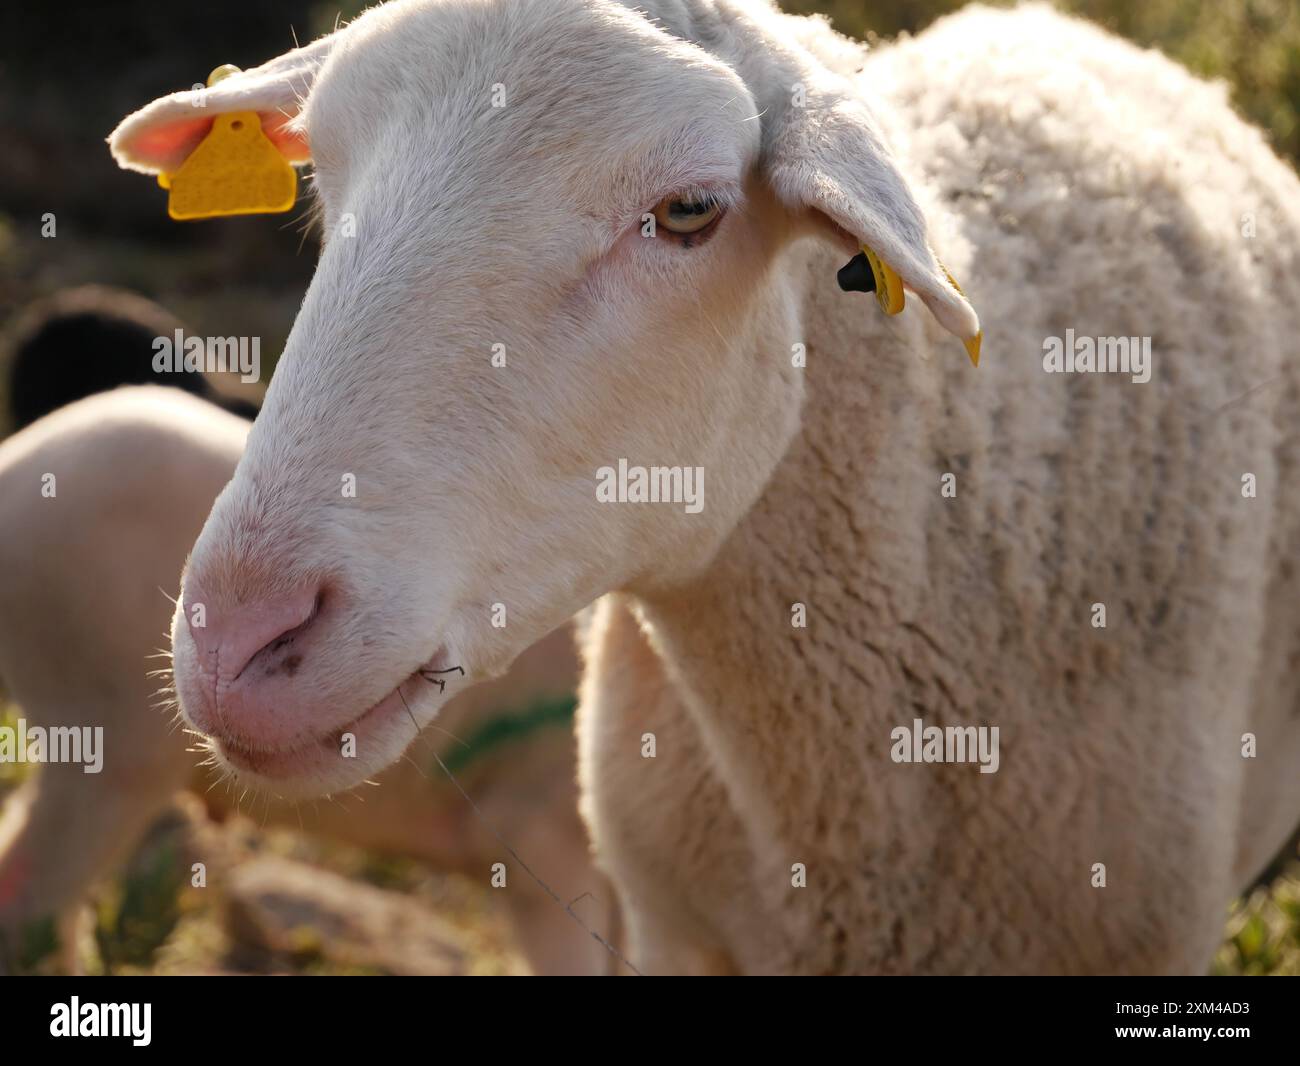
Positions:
{"x": 491, "y": 323}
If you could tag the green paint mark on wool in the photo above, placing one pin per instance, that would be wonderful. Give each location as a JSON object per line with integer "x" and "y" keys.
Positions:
{"x": 509, "y": 727}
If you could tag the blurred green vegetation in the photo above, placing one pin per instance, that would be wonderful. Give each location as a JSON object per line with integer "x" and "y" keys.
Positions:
{"x": 1254, "y": 45}
{"x": 12, "y": 774}
{"x": 1263, "y": 933}
{"x": 141, "y": 909}
{"x": 37, "y": 942}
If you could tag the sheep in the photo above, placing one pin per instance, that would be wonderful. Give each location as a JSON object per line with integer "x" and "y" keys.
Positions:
{"x": 85, "y": 340}
{"x": 561, "y": 236}
{"x": 84, "y": 603}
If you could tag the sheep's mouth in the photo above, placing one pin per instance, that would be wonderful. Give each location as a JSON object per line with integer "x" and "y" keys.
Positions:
{"x": 300, "y": 760}
{"x": 320, "y": 757}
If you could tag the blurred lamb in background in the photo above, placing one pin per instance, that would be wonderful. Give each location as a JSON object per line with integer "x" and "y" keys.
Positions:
{"x": 88, "y": 339}
{"x": 84, "y": 604}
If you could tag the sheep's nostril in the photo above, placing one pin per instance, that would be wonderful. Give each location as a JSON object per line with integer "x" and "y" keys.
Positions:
{"x": 227, "y": 639}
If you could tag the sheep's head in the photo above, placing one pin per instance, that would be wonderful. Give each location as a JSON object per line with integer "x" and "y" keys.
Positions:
{"x": 551, "y": 233}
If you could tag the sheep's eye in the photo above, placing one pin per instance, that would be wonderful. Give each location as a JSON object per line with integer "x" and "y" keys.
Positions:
{"x": 687, "y": 216}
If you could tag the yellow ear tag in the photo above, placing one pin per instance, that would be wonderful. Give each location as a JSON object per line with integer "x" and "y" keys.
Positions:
{"x": 972, "y": 343}
{"x": 889, "y": 286}
{"x": 235, "y": 170}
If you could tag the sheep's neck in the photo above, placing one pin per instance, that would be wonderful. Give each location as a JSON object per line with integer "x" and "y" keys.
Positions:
{"x": 792, "y": 713}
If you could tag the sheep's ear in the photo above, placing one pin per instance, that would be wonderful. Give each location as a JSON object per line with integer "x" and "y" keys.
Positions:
{"x": 158, "y": 138}
{"x": 825, "y": 151}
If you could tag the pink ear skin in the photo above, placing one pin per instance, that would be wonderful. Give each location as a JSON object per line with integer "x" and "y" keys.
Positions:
{"x": 160, "y": 136}
{"x": 287, "y": 137}
{"x": 168, "y": 145}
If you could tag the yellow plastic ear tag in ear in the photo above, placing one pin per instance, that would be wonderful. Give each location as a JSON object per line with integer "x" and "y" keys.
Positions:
{"x": 235, "y": 170}
{"x": 889, "y": 286}
{"x": 972, "y": 343}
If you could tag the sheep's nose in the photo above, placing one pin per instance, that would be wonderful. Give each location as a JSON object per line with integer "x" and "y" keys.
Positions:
{"x": 227, "y": 639}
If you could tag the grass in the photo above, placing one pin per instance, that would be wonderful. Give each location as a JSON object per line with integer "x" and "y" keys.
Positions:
{"x": 12, "y": 774}
{"x": 1263, "y": 932}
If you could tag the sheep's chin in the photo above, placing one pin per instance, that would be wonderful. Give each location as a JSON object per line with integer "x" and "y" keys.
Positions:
{"x": 319, "y": 767}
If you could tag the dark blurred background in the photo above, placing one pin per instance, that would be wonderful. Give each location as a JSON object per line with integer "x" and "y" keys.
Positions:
{"x": 68, "y": 74}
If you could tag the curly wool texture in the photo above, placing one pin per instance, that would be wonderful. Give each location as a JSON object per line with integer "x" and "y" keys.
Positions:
{"x": 1070, "y": 181}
